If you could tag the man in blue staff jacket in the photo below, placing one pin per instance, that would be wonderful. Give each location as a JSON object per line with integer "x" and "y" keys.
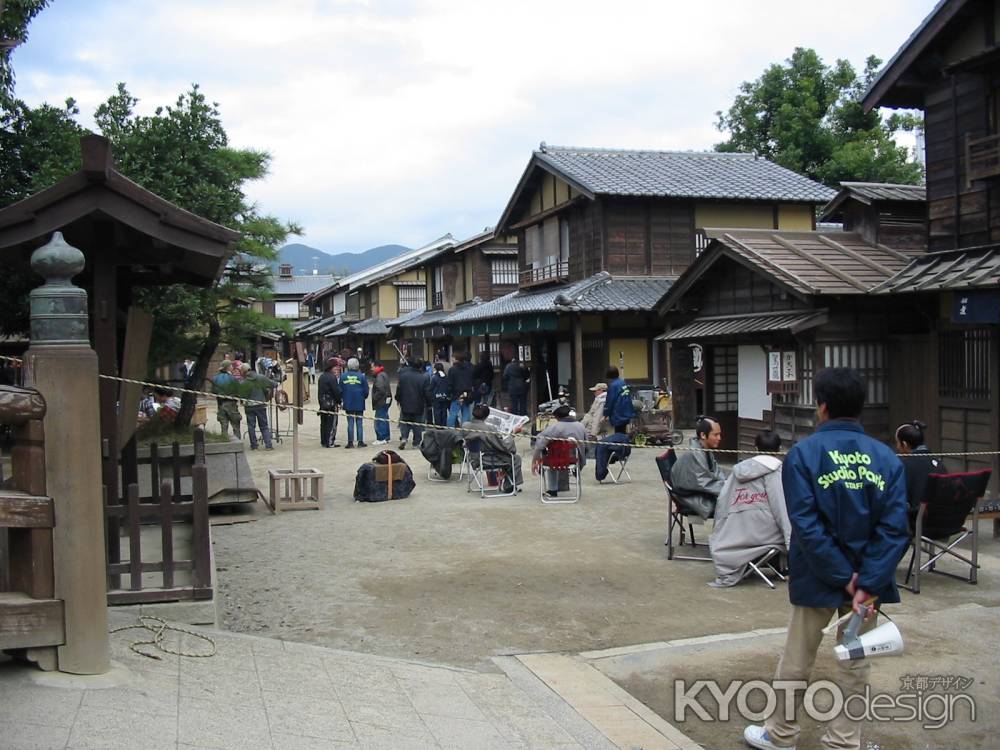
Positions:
{"x": 846, "y": 499}
{"x": 618, "y": 407}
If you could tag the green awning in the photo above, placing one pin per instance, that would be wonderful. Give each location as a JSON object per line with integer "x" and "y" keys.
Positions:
{"x": 512, "y": 325}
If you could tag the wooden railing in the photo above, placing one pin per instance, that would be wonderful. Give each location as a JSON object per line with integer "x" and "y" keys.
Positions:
{"x": 164, "y": 506}
{"x": 30, "y": 615}
{"x": 982, "y": 157}
{"x": 544, "y": 274}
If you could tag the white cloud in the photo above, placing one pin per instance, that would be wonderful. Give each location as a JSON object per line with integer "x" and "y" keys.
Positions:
{"x": 385, "y": 119}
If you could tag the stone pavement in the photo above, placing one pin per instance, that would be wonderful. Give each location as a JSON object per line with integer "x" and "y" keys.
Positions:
{"x": 264, "y": 693}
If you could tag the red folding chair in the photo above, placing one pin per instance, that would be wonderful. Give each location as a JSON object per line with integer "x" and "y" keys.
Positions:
{"x": 563, "y": 457}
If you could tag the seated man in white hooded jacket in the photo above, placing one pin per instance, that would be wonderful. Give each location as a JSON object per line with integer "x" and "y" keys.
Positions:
{"x": 750, "y": 516}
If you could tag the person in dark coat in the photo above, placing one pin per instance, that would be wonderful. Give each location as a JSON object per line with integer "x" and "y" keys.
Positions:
{"x": 846, "y": 498}
{"x": 461, "y": 388}
{"x": 515, "y": 382}
{"x": 412, "y": 396}
{"x": 329, "y": 401}
{"x": 440, "y": 394}
{"x": 381, "y": 401}
{"x": 919, "y": 463}
{"x": 483, "y": 376}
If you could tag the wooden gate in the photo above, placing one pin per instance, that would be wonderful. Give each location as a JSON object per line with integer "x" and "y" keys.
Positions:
{"x": 155, "y": 498}
{"x": 30, "y": 616}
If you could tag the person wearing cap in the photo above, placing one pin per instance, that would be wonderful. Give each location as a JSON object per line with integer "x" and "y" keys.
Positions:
{"x": 566, "y": 427}
{"x": 593, "y": 421}
{"x": 224, "y": 384}
{"x": 255, "y": 388}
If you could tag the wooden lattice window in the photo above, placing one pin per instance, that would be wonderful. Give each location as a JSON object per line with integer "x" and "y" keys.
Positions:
{"x": 964, "y": 364}
{"x": 725, "y": 378}
{"x": 504, "y": 271}
{"x": 410, "y": 298}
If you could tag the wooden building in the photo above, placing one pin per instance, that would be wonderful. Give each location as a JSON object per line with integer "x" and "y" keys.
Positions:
{"x": 610, "y": 219}
{"x": 882, "y": 213}
{"x": 358, "y": 310}
{"x": 760, "y": 312}
{"x": 479, "y": 269}
{"x": 949, "y": 67}
{"x": 290, "y": 291}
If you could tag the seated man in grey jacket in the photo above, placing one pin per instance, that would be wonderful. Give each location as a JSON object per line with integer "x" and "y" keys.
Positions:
{"x": 750, "y": 516}
{"x": 567, "y": 427}
{"x": 495, "y": 447}
{"x": 697, "y": 476}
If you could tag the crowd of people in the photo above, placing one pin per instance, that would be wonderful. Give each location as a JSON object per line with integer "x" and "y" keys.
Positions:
{"x": 842, "y": 528}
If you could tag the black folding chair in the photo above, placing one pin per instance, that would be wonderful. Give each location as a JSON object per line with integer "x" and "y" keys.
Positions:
{"x": 941, "y": 524}
{"x": 679, "y": 515}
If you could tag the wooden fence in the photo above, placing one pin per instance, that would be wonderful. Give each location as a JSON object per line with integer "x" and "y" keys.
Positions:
{"x": 30, "y": 615}
{"x": 165, "y": 506}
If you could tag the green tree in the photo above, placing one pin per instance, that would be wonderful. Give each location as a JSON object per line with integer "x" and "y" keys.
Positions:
{"x": 182, "y": 153}
{"x": 807, "y": 116}
{"x": 15, "y": 15}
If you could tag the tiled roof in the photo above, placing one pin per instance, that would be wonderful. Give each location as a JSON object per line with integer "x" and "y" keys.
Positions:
{"x": 974, "y": 268}
{"x": 811, "y": 262}
{"x": 428, "y": 318}
{"x": 405, "y": 318}
{"x": 599, "y": 293}
{"x": 682, "y": 174}
{"x": 717, "y": 326}
{"x": 872, "y": 192}
{"x": 302, "y": 284}
{"x": 886, "y": 191}
{"x": 370, "y": 327}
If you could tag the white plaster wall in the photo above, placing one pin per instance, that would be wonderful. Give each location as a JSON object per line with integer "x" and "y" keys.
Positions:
{"x": 753, "y": 396}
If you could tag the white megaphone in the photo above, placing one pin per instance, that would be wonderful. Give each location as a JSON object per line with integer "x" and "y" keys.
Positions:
{"x": 885, "y": 640}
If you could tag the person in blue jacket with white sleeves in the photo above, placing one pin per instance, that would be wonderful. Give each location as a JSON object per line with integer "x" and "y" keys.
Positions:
{"x": 846, "y": 498}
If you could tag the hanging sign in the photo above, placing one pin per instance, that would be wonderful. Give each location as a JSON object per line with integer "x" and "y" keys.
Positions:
{"x": 782, "y": 372}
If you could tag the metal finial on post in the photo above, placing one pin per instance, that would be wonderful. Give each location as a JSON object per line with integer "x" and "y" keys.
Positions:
{"x": 58, "y": 308}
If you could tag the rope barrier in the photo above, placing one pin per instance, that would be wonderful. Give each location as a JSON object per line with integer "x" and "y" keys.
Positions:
{"x": 159, "y": 628}
{"x": 465, "y": 431}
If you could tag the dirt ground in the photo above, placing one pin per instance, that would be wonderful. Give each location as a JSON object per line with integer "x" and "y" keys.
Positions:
{"x": 448, "y": 577}
{"x": 950, "y": 642}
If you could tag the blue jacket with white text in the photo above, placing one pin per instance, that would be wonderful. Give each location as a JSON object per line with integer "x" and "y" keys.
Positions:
{"x": 846, "y": 499}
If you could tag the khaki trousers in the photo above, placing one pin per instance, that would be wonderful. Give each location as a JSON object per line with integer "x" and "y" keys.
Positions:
{"x": 805, "y": 633}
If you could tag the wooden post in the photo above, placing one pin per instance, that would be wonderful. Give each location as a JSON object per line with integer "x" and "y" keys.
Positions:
{"x": 201, "y": 576}
{"x": 297, "y": 403}
{"x": 73, "y": 461}
{"x": 578, "y": 361}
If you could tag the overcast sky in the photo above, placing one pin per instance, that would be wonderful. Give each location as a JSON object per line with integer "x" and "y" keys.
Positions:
{"x": 401, "y": 120}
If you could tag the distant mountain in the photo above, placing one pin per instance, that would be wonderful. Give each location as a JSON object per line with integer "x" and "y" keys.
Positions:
{"x": 304, "y": 258}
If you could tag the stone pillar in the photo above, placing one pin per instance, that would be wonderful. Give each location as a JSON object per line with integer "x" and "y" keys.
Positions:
{"x": 62, "y": 366}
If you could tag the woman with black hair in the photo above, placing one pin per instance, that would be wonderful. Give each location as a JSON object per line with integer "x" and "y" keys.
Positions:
{"x": 920, "y": 463}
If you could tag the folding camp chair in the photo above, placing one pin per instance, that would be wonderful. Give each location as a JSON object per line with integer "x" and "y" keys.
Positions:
{"x": 618, "y": 466}
{"x": 764, "y": 563}
{"x": 561, "y": 456}
{"x": 482, "y": 464}
{"x": 950, "y": 499}
{"x": 678, "y": 513}
{"x": 432, "y": 474}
